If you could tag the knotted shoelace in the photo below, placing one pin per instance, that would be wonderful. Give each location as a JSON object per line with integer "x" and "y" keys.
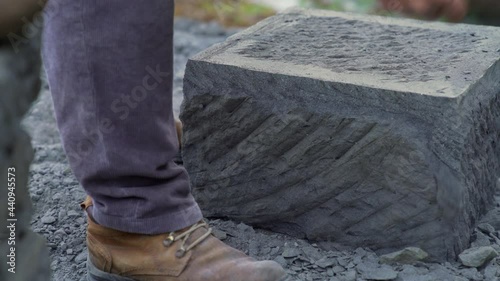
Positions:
{"x": 185, "y": 236}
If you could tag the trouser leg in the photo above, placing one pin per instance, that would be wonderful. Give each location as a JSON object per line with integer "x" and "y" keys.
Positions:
{"x": 109, "y": 66}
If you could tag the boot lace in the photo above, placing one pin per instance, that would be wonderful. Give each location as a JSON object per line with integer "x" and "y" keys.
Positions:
{"x": 185, "y": 236}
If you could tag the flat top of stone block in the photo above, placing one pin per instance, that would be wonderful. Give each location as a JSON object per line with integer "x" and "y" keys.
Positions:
{"x": 429, "y": 58}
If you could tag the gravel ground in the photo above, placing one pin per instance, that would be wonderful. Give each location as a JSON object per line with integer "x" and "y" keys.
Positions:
{"x": 56, "y": 196}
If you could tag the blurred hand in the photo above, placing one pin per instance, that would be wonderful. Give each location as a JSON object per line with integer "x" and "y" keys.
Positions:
{"x": 452, "y": 10}
{"x": 12, "y": 13}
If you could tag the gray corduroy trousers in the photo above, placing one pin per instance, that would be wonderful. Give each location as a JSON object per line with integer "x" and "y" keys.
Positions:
{"x": 109, "y": 66}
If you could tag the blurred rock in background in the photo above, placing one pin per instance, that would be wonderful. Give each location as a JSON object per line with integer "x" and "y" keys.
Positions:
{"x": 227, "y": 12}
{"x": 248, "y": 12}
{"x": 27, "y": 259}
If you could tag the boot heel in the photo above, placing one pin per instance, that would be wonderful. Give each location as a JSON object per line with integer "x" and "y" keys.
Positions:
{"x": 90, "y": 278}
{"x": 286, "y": 278}
{"x": 94, "y": 274}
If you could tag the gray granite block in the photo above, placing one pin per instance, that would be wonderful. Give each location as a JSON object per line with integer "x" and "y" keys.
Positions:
{"x": 361, "y": 130}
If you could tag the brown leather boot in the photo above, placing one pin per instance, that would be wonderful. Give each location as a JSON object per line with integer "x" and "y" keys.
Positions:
{"x": 192, "y": 254}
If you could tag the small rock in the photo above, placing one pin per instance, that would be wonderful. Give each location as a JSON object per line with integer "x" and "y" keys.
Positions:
{"x": 348, "y": 276}
{"x": 265, "y": 250}
{"x": 290, "y": 252}
{"x": 81, "y": 257}
{"x": 312, "y": 253}
{"x": 281, "y": 260}
{"x": 496, "y": 247}
{"x": 61, "y": 215}
{"x": 481, "y": 240}
{"x": 219, "y": 234}
{"x": 60, "y": 232}
{"x": 48, "y": 220}
{"x": 326, "y": 262}
{"x": 73, "y": 213}
{"x": 68, "y": 181}
{"x": 253, "y": 247}
{"x": 338, "y": 269}
{"x": 69, "y": 251}
{"x": 491, "y": 271}
{"x": 56, "y": 196}
{"x": 330, "y": 272}
{"x": 244, "y": 227}
{"x": 371, "y": 257}
{"x": 486, "y": 227}
{"x": 357, "y": 259}
{"x": 360, "y": 252}
{"x": 493, "y": 216}
{"x": 471, "y": 274}
{"x": 408, "y": 255}
{"x": 372, "y": 271}
{"x": 296, "y": 268}
{"x": 274, "y": 251}
{"x": 406, "y": 271}
{"x": 344, "y": 261}
{"x": 478, "y": 256}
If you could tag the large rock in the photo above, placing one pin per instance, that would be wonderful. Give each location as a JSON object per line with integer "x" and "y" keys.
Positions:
{"x": 367, "y": 131}
{"x": 408, "y": 255}
{"x": 24, "y": 255}
{"x": 478, "y": 256}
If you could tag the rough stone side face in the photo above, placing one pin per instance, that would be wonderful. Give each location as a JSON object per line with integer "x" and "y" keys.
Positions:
{"x": 321, "y": 133}
{"x": 19, "y": 86}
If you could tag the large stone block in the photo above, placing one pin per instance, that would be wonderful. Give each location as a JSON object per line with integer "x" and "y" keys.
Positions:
{"x": 361, "y": 130}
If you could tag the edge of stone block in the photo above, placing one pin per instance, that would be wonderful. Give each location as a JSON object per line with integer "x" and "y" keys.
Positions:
{"x": 217, "y": 55}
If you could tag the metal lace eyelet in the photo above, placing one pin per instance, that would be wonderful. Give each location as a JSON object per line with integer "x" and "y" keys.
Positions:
{"x": 167, "y": 242}
{"x": 180, "y": 253}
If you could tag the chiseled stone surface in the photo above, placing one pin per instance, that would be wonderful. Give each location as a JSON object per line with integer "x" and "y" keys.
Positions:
{"x": 361, "y": 130}
{"x": 19, "y": 86}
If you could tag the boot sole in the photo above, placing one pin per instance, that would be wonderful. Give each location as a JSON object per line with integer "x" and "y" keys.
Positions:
{"x": 94, "y": 274}
{"x": 287, "y": 278}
